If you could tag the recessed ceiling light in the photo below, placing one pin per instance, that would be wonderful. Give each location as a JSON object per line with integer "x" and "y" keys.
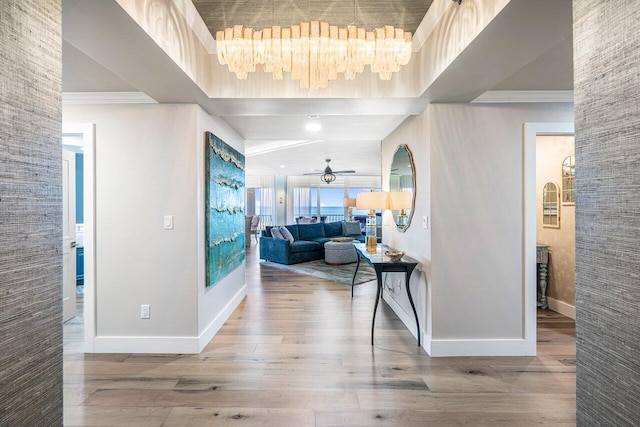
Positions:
{"x": 313, "y": 126}
{"x": 282, "y": 166}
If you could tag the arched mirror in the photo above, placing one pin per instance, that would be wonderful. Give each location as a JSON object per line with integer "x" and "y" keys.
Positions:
{"x": 550, "y": 206}
{"x": 568, "y": 179}
{"x": 402, "y": 184}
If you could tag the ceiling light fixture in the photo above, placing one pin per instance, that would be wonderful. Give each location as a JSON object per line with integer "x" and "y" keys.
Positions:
{"x": 313, "y": 125}
{"x": 314, "y": 52}
{"x": 328, "y": 176}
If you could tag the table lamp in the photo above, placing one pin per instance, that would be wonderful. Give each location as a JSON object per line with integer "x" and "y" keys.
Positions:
{"x": 401, "y": 200}
{"x": 349, "y": 204}
{"x": 372, "y": 200}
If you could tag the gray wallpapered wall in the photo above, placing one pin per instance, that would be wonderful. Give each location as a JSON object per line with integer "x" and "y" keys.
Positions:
{"x": 30, "y": 213}
{"x": 607, "y": 106}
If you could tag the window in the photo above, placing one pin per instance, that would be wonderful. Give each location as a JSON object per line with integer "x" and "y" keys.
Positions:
{"x": 259, "y": 198}
{"x": 568, "y": 179}
{"x": 307, "y": 196}
{"x": 332, "y": 203}
{"x": 550, "y": 206}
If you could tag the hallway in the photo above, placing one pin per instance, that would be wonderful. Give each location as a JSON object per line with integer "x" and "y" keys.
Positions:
{"x": 296, "y": 353}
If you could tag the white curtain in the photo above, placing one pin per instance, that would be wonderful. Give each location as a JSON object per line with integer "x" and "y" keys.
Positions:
{"x": 265, "y": 207}
{"x": 298, "y": 198}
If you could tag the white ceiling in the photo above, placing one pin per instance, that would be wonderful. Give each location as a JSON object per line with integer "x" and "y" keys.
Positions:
{"x": 105, "y": 50}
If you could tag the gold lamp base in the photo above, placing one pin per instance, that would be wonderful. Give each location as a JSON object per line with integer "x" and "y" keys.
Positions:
{"x": 372, "y": 244}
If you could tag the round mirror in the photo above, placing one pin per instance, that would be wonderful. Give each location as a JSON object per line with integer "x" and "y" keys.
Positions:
{"x": 402, "y": 183}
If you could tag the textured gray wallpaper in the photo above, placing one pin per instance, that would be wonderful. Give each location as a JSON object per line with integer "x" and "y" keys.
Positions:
{"x": 30, "y": 213}
{"x": 607, "y": 106}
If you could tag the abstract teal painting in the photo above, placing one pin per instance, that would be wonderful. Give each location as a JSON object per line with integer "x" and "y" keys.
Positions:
{"x": 224, "y": 212}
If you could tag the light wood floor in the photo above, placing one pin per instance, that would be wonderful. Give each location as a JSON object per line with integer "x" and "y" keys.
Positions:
{"x": 296, "y": 352}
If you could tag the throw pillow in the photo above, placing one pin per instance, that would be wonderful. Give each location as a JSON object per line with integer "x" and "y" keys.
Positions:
{"x": 350, "y": 228}
{"x": 276, "y": 234}
{"x": 286, "y": 234}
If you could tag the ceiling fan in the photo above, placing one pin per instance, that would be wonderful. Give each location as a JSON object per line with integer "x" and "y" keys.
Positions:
{"x": 329, "y": 175}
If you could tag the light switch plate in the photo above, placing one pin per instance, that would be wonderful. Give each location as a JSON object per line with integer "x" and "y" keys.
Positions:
{"x": 145, "y": 311}
{"x": 168, "y": 222}
{"x": 425, "y": 222}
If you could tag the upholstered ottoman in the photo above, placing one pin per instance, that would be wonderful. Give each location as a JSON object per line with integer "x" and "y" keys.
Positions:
{"x": 337, "y": 253}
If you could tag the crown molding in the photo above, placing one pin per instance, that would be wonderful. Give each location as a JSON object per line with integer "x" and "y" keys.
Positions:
{"x": 106, "y": 98}
{"x": 524, "y": 96}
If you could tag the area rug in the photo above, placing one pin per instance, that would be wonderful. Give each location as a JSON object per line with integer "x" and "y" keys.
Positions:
{"x": 337, "y": 273}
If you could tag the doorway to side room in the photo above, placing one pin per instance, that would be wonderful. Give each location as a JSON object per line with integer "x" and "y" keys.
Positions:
{"x": 78, "y": 147}
{"x": 534, "y": 211}
{"x": 555, "y": 223}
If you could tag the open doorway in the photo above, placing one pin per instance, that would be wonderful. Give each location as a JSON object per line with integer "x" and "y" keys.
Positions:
{"x": 531, "y": 266}
{"x": 78, "y": 146}
{"x": 555, "y": 223}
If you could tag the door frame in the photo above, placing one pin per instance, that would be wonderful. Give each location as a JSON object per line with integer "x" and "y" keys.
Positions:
{"x": 87, "y": 132}
{"x": 531, "y": 131}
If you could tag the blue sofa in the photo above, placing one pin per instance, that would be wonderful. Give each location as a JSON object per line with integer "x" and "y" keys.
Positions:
{"x": 308, "y": 244}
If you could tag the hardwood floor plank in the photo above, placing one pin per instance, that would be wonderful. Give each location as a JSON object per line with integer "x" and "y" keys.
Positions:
{"x": 490, "y": 402}
{"x": 411, "y": 418}
{"x": 96, "y": 416}
{"x": 250, "y": 417}
{"x": 225, "y": 398}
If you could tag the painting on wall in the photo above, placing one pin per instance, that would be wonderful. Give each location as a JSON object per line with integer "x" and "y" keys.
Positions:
{"x": 224, "y": 209}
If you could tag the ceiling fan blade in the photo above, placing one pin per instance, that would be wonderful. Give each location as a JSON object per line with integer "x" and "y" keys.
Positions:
{"x": 344, "y": 171}
{"x": 313, "y": 173}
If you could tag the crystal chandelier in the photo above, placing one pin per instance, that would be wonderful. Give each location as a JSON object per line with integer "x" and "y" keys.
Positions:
{"x": 314, "y": 52}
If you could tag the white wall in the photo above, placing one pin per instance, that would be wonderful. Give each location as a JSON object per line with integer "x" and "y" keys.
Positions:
{"x": 473, "y": 251}
{"x": 416, "y": 240}
{"x": 150, "y": 163}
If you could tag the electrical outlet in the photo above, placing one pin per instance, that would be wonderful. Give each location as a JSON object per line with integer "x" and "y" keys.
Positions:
{"x": 145, "y": 311}
{"x": 425, "y": 222}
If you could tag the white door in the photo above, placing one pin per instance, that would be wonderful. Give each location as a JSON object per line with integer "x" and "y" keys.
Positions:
{"x": 68, "y": 235}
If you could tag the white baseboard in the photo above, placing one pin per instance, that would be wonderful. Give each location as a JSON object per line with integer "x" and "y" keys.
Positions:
{"x": 455, "y": 348}
{"x": 169, "y": 345}
{"x": 212, "y": 329}
{"x": 562, "y": 308}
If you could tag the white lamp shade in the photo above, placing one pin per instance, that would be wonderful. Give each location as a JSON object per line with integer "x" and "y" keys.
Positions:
{"x": 372, "y": 200}
{"x": 349, "y": 202}
{"x": 400, "y": 200}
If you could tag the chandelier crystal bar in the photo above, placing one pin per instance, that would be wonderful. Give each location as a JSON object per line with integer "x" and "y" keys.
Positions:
{"x": 314, "y": 52}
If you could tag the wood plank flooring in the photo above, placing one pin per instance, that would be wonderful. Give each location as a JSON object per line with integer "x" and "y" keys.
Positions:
{"x": 296, "y": 352}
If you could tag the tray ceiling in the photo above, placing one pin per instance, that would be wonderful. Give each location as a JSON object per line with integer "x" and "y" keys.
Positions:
{"x": 258, "y": 14}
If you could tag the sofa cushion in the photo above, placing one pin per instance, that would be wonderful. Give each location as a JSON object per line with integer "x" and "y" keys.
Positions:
{"x": 286, "y": 234}
{"x": 305, "y": 246}
{"x": 333, "y": 229}
{"x": 321, "y": 240}
{"x": 293, "y": 229}
{"x": 276, "y": 234}
{"x": 351, "y": 228}
{"x": 309, "y": 231}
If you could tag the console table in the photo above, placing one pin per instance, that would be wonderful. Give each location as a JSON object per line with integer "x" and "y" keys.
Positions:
{"x": 382, "y": 264}
{"x": 542, "y": 260}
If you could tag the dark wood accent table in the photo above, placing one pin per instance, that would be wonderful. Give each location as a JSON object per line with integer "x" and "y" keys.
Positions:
{"x": 382, "y": 264}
